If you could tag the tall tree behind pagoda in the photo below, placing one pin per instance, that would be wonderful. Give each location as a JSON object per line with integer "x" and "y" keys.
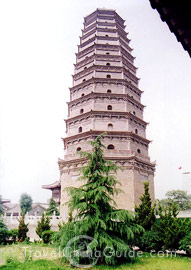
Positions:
{"x": 52, "y": 208}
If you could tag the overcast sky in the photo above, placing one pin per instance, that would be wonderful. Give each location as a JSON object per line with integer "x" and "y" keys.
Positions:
{"x": 38, "y": 42}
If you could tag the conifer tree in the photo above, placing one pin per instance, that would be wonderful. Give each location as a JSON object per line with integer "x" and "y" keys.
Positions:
{"x": 53, "y": 207}
{"x": 25, "y": 203}
{"x": 96, "y": 215}
{"x": 1, "y": 206}
{"x": 43, "y": 225}
{"x": 171, "y": 229}
{"x": 22, "y": 230}
{"x": 145, "y": 212}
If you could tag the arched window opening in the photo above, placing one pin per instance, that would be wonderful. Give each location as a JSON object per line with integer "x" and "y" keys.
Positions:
{"x": 110, "y": 147}
{"x": 107, "y": 53}
{"x": 84, "y": 80}
{"x": 110, "y": 126}
{"x": 80, "y": 129}
{"x": 109, "y": 107}
{"x": 81, "y": 110}
{"x": 108, "y": 91}
{"x": 108, "y": 64}
{"x": 138, "y": 151}
{"x": 85, "y": 67}
{"x": 134, "y": 112}
{"x": 82, "y": 94}
{"x": 78, "y": 149}
{"x": 136, "y": 131}
{"x": 108, "y": 76}
{"x": 106, "y": 36}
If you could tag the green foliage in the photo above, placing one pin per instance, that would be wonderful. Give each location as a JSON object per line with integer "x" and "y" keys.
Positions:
{"x": 13, "y": 264}
{"x": 145, "y": 263}
{"x": 179, "y": 197}
{"x": 12, "y": 261}
{"x": 185, "y": 243}
{"x": 1, "y": 206}
{"x": 53, "y": 207}
{"x": 25, "y": 203}
{"x": 22, "y": 230}
{"x": 13, "y": 234}
{"x": 145, "y": 212}
{"x": 43, "y": 225}
{"x": 4, "y": 235}
{"x": 150, "y": 240}
{"x": 170, "y": 228}
{"x": 47, "y": 236}
{"x": 61, "y": 225}
{"x": 2, "y": 224}
{"x": 96, "y": 212}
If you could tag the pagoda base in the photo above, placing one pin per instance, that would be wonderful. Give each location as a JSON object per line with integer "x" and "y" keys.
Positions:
{"x": 132, "y": 176}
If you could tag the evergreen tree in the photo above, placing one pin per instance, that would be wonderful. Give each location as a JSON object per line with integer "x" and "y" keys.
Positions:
{"x": 96, "y": 215}
{"x": 145, "y": 212}
{"x": 4, "y": 233}
{"x": 171, "y": 229}
{"x": 22, "y": 230}
{"x": 25, "y": 203}
{"x": 53, "y": 207}
{"x": 43, "y": 225}
{"x": 1, "y": 206}
{"x": 180, "y": 197}
{"x": 2, "y": 224}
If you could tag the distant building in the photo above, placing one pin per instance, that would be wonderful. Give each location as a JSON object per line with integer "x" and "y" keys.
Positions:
{"x": 5, "y": 200}
{"x": 13, "y": 209}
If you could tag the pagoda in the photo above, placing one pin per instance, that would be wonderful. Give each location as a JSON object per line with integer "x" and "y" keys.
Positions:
{"x": 105, "y": 97}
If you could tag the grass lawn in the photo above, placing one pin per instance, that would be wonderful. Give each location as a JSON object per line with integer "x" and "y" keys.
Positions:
{"x": 41, "y": 257}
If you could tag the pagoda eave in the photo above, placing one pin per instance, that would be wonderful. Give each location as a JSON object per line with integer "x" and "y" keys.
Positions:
{"x": 100, "y": 68}
{"x": 93, "y": 133}
{"x": 95, "y": 94}
{"x": 132, "y": 158}
{"x": 52, "y": 186}
{"x": 105, "y": 80}
{"x": 117, "y": 113}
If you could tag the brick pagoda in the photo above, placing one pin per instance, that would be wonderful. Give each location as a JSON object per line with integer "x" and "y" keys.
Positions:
{"x": 105, "y": 97}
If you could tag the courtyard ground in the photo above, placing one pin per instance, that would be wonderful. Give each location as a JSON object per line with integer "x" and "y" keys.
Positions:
{"x": 44, "y": 257}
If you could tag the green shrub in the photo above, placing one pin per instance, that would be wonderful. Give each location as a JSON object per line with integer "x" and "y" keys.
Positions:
{"x": 13, "y": 234}
{"x": 47, "y": 236}
{"x": 43, "y": 225}
{"x": 22, "y": 230}
{"x": 2, "y": 224}
{"x": 170, "y": 228}
{"x": 185, "y": 244}
{"x": 150, "y": 240}
{"x": 4, "y": 235}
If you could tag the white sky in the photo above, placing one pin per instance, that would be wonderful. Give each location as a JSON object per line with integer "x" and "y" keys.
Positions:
{"x": 38, "y": 42}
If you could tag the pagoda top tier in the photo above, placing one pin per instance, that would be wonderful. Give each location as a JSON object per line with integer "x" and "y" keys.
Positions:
{"x": 104, "y": 14}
